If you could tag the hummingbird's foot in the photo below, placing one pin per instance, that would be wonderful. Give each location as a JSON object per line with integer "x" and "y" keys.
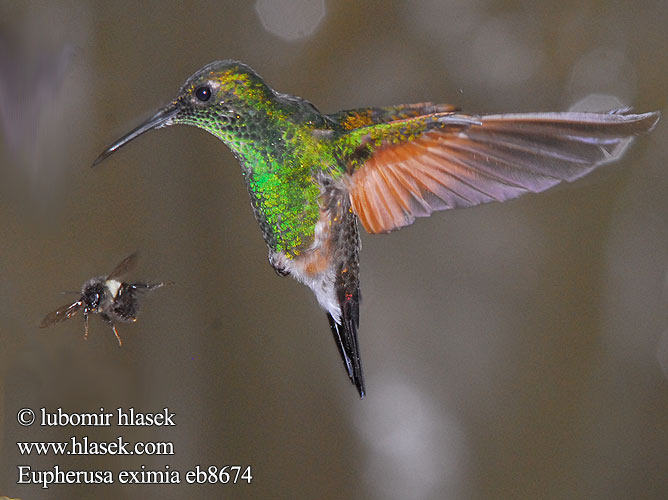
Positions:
{"x": 280, "y": 270}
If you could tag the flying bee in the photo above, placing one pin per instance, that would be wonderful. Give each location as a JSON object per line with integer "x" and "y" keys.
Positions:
{"x": 112, "y": 299}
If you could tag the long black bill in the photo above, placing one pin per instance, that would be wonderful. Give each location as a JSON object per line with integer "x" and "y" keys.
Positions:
{"x": 160, "y": 119}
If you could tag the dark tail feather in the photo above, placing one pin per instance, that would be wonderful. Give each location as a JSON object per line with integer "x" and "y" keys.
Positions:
{"x": 345, "y": 336}
{"x": 346, "y": 242}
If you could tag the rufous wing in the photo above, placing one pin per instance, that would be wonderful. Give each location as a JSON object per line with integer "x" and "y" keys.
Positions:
{"x": 499, "y": 158}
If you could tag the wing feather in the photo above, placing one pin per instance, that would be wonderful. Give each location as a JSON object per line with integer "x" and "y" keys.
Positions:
{"x": 498, "y": 158}
{"x": 391, "y": 196}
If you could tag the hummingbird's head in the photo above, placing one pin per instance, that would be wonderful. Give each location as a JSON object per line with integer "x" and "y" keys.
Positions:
{"x": 217, "y": 98}
{"x": 219, "y": 95}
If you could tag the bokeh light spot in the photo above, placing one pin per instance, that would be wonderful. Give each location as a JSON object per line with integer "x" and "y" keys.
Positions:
{"x": 291, "y": 19}
{"x": 415, "y": 449}
{"x": 504, "y": 54}
{"x": 604, "y": 70}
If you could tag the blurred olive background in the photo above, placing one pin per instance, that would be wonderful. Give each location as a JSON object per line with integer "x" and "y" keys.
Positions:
{"x": 511, "y": 351}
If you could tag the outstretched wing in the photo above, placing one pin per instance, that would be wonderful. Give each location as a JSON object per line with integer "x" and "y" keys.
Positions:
{"x": 125, "y": 266}
{"x": 61, "y": 314}
{"x": 410, "y": 168}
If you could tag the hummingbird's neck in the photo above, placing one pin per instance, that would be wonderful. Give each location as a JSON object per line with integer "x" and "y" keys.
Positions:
{"x": 274, "y": 136}
{"x": 280, "y": 159}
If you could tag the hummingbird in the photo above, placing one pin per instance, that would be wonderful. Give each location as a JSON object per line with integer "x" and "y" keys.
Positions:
{"x": 312, "y": 177}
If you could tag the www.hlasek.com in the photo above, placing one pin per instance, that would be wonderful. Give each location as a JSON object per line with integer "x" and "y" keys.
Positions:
{"x": 76, "y": 445}
{"x": 84, "y": 446}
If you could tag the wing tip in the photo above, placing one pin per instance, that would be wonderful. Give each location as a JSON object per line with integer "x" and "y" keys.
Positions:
{"x": 654, "y": 116}
{"x": 646, "y": 121}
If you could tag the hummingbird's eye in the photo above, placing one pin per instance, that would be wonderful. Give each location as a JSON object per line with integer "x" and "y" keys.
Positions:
{"x": 203, "y": 93}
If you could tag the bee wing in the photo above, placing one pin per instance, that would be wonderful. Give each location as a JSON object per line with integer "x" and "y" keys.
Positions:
{"x": 61, "y": 314}
{"x": 126, "y": 265}
{"x": 150, "y": 286}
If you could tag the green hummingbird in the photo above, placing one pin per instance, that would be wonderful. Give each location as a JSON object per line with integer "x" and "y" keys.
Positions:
{"x": 311, "y": 176}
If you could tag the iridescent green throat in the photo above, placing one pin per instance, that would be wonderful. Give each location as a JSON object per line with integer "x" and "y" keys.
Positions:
{"x": 281, "y": 160}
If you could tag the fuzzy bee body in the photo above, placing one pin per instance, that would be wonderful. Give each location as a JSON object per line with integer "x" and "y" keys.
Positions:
{"x": 112, "y": 299}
